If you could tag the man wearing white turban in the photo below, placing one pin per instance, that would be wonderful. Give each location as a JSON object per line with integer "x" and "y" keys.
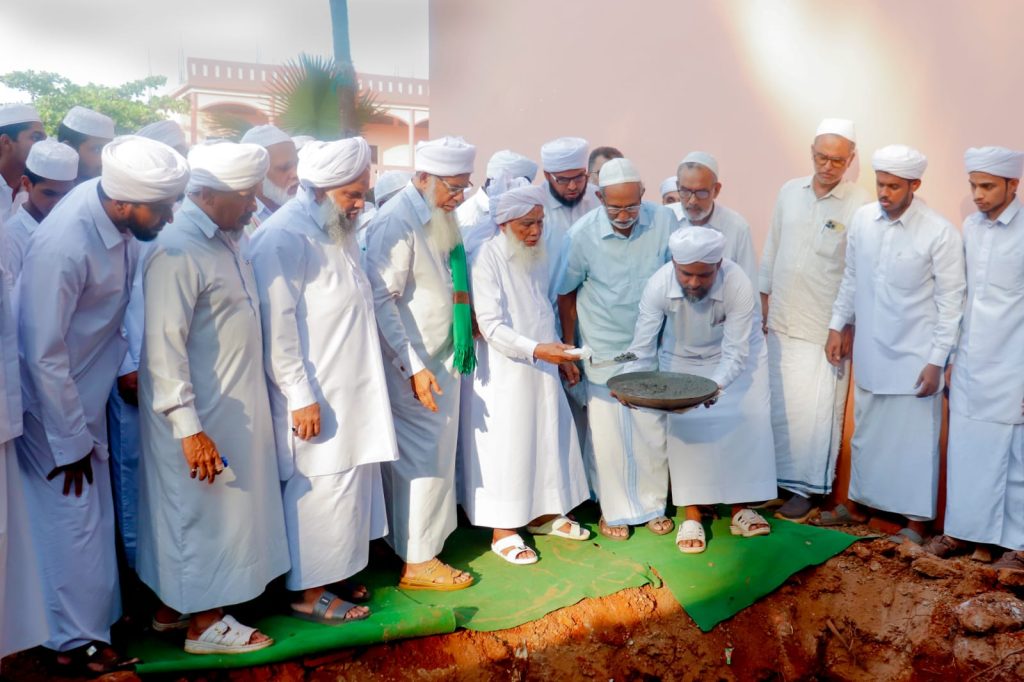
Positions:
{"x": 505, "y": 163}
{"x": 282, "y": 180}
{"x": 20, "y": 128}
{"x": 211, "y": 526}
{"x": 412, "y": 257}
{"x": 985, "y": 458}
{"x": 903, "y": 285}
{"x": 74, "y": 287}
{"x": 698, "y": 316}
{"x": 801, "y": 267}
{"x": 669, "y": 191}
{"x": 87, "y": 132}
{"x": 611, "y": 253}
{"x": 168, "y": 132}
{"x": 521, "y": 461}
{"x": 328, "y": 394}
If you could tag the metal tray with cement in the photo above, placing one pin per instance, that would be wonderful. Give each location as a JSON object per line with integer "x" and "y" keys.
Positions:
{"x": 662, "y": 390}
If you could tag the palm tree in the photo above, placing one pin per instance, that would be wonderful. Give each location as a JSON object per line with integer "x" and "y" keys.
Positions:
{"x": 345, "y": 74}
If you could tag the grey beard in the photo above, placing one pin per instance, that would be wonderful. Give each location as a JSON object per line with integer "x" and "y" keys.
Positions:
{"x": 274, "y": 193}
{"x": 339, "y": 227}
{"x": 528, "y": 256}
{"x": 694, "y": 298}
{"x": 443, "y": 232}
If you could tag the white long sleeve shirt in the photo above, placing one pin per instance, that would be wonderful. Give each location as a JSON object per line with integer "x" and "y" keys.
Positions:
{"x": 903, "y": 287}
{"x": 10, "y": 375}
{"x": 739, "y": 245}
{"x": 18, "y": 229}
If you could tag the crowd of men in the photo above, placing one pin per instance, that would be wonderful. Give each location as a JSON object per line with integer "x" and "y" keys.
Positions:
{"x": 225, "y": 364}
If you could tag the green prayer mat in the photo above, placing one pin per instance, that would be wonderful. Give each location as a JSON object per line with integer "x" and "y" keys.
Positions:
{"x": 734, "y": 571}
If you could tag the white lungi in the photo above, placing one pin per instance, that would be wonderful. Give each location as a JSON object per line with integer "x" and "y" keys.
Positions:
{"x": 123, "y": 434}
{"x": 985, "y": 482}
{"x": 329, "y": 521}
{"x": 895, "y": 453}
{"x": 626, "y": 458}
{"x": 808, "y": 406}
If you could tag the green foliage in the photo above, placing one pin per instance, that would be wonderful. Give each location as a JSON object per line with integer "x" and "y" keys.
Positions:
{"x": 131, "y": 105}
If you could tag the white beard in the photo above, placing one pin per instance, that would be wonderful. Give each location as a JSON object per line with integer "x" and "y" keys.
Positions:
{"x": 527, "y": 256}
{"x": 337, "y": 225}
{"x": 443, "y": 233}
{"x": 274, "y": 193}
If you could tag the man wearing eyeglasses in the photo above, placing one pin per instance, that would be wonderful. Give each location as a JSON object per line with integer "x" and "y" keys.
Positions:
{"x": 698, "y": 187}
{"x": 610, "y": 254}
{"x": 801, "y": 268}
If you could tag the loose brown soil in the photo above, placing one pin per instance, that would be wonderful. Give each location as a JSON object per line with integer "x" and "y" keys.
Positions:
{"x": 875, "y": 612}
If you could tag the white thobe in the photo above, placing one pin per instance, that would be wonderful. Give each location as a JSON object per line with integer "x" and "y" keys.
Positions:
{"x": 801, "y": 268}
{"x": 74, "y": 288}
{"x": 474, "y": 209}
{"x": 985, "y": 458}
{"x": 739, "y": 245}
{"x": 723, "y": 454}
{"x": 203, "y": 546}
{"x": 624, "y": 448}
{"x": 521, "y": 456}
{"x": 903, "y": 285}
{"x": 17, "y": 231}
{"x": 412, "y": 290}
{"x": 22, "y": 609}
{"x": 321, "y": 346}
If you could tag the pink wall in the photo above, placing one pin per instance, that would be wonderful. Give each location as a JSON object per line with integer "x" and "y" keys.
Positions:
{"x": 746, "y": 80}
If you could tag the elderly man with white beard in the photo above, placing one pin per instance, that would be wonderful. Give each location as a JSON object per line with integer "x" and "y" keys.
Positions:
{"x": 505, "y": 163}
{"x": 521, "y": 463}
{"x": 281, "y": 181}
{"x": 328, "y": 395}
{"x": 211, "y": 527}
{"x": 417, "y": 266}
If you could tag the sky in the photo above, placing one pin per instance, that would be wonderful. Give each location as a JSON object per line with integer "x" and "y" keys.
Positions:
{"x": 113, "y": 41}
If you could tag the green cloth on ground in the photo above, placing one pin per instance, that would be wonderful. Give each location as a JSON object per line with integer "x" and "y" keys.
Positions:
{"x": 734, "y": 571}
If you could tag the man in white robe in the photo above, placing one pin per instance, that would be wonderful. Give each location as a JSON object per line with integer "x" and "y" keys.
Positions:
{"x": 211, "y": 527}
{"x": 507, "y": 163}
{"x": 698, "y": 316}
{"x": 407, "y": 258}
{"x": 87, "y": 132}
{"x": 801, "y": 268}
{"x": 903, "y": 286}
{"x": 20, "y": 128}
{"x": 699, "y": 187}
{"x": 328, "y": 394}
{"x": 73, "y": 289}
{"x": 985, "y": 457}
{"x": 282, "y": 180}
{"x": 611, "y": 253}
{"x": 521, "y": 461}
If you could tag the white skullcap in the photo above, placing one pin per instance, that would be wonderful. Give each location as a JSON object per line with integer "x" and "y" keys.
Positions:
{"x": 517, "y": 202}
{"x": 998, "y": 161}
{"x": 12, "y": 114}
{"x": 227, "y": 166}
{"x": 668, "y": 185}
{"x": 842, "y": 127}
{"x": 696, "y": 244}
{"x": 900, "y": 160}
{"x": 89, "y": 122}
{"x": 332, "y": 164}
{"x": 53, "y": 160}
{"x": 512, "y": 164}
{"x": 265, "y": 136}
{"x": 564, "y": 153}
{"x": 617, "y": 172}
{"x": 445, "y": 156}
{"x": 388, "y": 184}
{"x": 301, "y": 141}
{"x": 168, "y": 132}
{"x": 141, "y": 170}
{"x": 702, "y": 159}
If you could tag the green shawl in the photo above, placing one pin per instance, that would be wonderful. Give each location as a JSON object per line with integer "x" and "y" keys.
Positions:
{"x": 462, "y": 315}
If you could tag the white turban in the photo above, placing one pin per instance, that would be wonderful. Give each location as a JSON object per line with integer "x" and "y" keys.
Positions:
{"x": 265, "y": 136}
{"x": 53, "y": 160}
{"x": 517, "y": 202}
{"x": 301, "y": 141}
{"x": 702, "y": 159}
{"x": 333, "y": 164}
{"x": 89, "y": 122}
{"x": 998, "y": 161}
{"x": 900, "y": 160}
{"x": 842, "y": 127}
{"x": 388, "y": 184}
{"x": 668, "y": 185}
{"x": 445, "y": 156}
{"x": 617, "y": 172}
{"x": 696, "y": 244}
{"x": 227, "y": 166}
{"x": 564, "y": 153}
{"x": 141, "y": 170}
{"x": 511, "y": 164}
{"x": 13, "y": 114}
{"x": 168, "y": 132}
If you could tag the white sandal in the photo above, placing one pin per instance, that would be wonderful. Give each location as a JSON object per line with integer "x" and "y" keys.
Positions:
{"x": 743, "y": 523}
{"x": 517, "y": 547}
{"x": 553, "y": 527}
{"x": 691, "y": 530}
{"x": 226, "y": 636}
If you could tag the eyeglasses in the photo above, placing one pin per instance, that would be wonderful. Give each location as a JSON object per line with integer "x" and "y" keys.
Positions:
{"x": 834, "y": 161}
{"x": 701, "y": 194}
{"x": 454, "y": 189}
{"x": 616, "y": 210}
{"x": 565, "y": 182}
